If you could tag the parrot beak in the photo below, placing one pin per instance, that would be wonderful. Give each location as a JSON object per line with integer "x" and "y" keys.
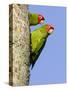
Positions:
{"x": 51, "y": 29}
{"x": 42, "y": 21}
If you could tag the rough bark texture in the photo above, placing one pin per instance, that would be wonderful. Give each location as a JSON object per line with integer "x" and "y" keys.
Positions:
{"x": 19, "y": 45}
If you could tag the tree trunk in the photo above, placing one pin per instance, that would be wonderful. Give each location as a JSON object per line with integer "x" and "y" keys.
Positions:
{"x": 19, "y": 45}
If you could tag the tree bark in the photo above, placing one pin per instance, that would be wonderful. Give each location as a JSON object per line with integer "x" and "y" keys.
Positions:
{"x": 19, "y": 45}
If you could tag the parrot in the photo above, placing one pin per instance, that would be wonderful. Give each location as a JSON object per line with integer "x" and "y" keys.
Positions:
{"x": 38, "y": 40}
{"x": 35, "y": 19}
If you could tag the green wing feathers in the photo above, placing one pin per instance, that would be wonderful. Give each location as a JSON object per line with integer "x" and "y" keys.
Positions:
{"x": 37, "y": 43}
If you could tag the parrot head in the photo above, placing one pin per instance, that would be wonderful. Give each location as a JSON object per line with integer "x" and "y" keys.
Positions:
{"x": 40, "y": 19}
{"x": 49, "y": 28}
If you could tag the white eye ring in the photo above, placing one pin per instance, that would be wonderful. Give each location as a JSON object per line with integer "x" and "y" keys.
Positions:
{"x": 40, "y": 17}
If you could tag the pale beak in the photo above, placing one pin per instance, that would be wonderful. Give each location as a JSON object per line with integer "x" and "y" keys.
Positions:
{"x": 42, "y": 21}
{"x": 51, "y": 30}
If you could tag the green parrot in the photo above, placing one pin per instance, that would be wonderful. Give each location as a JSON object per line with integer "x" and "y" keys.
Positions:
{"x": 35, "y": 19}
{"x": 38, "y": 40}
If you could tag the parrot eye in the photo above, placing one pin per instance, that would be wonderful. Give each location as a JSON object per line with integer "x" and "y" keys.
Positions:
{"x": 40, "y": 16}
{"x": 41, "y": 19}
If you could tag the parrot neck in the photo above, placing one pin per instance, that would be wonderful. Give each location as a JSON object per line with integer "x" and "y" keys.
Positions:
{"x": 34, "y": 19}
{"x": 44, "y": 34}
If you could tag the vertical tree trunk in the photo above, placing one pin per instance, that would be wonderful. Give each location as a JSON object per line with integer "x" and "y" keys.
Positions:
{"x": 19, "y": 45}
